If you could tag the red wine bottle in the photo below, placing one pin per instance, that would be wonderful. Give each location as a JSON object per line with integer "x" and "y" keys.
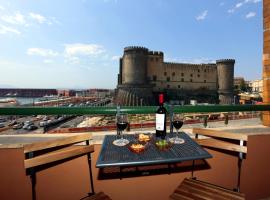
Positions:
{"x": 161, "y": 118}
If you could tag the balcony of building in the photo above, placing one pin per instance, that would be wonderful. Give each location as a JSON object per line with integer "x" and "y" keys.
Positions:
{"x": 70, "y": 178}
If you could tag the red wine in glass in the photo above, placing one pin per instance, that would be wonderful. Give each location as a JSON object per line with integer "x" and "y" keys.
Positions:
{"x": 122, "y": 125}
{"x": 177, "y": 124}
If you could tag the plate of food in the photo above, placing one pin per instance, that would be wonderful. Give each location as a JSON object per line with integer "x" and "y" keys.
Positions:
{"x": 137, "y": 146}
{"x": 163, "y": 145}
{"x": 143, "y": 137}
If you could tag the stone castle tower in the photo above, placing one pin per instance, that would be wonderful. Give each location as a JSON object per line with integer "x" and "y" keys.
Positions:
{"x": 143, "y": 74}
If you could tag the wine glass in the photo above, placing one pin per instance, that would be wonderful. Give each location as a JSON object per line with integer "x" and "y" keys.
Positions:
{"x": 177, "y": 123}
{"x": 121, "y": 123}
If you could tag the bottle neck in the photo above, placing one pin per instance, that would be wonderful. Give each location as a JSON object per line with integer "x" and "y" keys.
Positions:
{"x": 161, "y": 99}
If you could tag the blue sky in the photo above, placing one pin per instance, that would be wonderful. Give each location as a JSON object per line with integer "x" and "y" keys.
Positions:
{"x": 77, "y": 43}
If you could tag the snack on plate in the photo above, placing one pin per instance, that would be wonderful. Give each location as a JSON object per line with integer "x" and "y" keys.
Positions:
{"x": 143, "y": 137}
{"x": 137, "y": 146}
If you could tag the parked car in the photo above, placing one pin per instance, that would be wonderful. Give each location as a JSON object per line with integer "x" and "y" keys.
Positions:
{"x": 18, "y": 126}
{"x": 32, "y": 127}
{"x": 25, "y": 126}
{"x": 43, "y": 123}
{"x": 2, "y": 125}
{"x": 2, "y": 120}
{"x": 12, "y": 123}
{"x": 28, "y": 123}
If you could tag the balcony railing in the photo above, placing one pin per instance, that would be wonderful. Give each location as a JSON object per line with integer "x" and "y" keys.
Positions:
{"x": 129, "y": 110}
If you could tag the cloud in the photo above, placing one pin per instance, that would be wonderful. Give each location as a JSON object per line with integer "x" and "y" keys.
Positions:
{"x": 17, "y": 19}
{"x": 79, "y": 49}
{"x": 115, "y": 58}
{"x": 14, "y": 21}
{"x": 73, "y": 60}
{"x": 250, "y": 15}
{"x": 39, "y": 18}
{"x": 7, "y": 29}
{"x": 41, "y": 52}
{"x": 240, "y": 4}
{"x": 202, "y": 16}
{"x": 192, "y": 60}
{"x": 221, "y": 4}
{"x": 48, "y": 61}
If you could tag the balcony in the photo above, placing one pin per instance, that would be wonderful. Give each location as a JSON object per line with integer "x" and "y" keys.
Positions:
{"x": 70, "y": 179}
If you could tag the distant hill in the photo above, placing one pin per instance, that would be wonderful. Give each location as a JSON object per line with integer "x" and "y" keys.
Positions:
{"x": 6, "y": 86}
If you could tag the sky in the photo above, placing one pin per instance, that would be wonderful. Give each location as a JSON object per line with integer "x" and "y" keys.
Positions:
{"x": 76, "y": 44}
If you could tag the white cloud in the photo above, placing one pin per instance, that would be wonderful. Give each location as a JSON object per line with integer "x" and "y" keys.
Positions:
{"x": 41, "y": 52}
{"x": 2, "y": 7}
{"x": 39, "y": 18}
{"x": 115, "y": 58}
{"x": 48, "y": 61}
{"x": 73, "y": 60}
{"x": 7, "y": 29}
{"x": 240, "y": 4}
{"x": 191, "y": 61}
{"x": 79, "y": 49}
{"x": 250, "y": 15}
{"x": 202, "y": 16}
{"x": 17, "y": 18}
{"x": 221, "y": 4}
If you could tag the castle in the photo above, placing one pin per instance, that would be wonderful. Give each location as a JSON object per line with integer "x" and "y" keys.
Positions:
{"x": 143, "y": 74}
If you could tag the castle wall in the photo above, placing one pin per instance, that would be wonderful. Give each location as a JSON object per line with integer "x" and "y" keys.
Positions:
{"x": 225, "y": 71}
{"x": 134, "y": 66}
{"x": 182, "y": 76}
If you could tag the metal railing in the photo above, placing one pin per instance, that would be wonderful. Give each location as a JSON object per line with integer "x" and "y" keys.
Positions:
{"x": 129, "y": 110}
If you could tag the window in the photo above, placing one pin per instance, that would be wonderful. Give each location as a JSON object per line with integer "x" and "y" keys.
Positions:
{"x": 198, "y": 75}
{"x": 154, "y": 78}
{"x": 198, "y": 70}
{"x": 173, "y": 74}
{"x": 165, "y": 73}
{"x": 168, "y": 86}
{"x": 205, "y": 70}
{"x": 191, "y": 75}
{"x": 182, "y": 74}
{"x": 205, "y": 81}
{"x": 190, "y": 80}
{"x": 179, "y": 86}
{"x": 182, "y": 79}
{"x": 168, "y": 79}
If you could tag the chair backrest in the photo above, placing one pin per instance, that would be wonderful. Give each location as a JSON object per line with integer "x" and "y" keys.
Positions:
{"x": 215, "y": 139}
{"x": 222, "y": 140}
{"x": 56, "y": 150}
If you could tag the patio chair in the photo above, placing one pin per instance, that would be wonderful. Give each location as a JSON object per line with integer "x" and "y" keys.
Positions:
{"x": 191, "y": 188}
{"x": 58, "y": 151}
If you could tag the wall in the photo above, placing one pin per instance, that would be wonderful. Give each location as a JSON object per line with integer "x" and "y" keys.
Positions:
{"x": 182, "y": 76}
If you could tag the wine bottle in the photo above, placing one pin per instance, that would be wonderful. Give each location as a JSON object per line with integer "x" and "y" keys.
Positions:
{"x": 161, "y": 118}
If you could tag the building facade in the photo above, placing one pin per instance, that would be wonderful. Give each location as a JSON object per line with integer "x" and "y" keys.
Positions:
{"x": 143, "y": 74}
{"x": 256, "y": 86}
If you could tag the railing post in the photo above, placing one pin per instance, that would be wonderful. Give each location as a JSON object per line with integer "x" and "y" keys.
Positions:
{"x": 171, "y": 118}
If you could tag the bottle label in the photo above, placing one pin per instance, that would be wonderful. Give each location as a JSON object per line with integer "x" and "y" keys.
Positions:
{"x": 160, "y": 122}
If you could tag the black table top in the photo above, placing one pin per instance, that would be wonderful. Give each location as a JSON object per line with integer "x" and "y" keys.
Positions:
{"x": 114, "y": 156}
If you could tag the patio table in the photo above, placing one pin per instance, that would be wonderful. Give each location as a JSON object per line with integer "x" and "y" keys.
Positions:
{"x": 115, "y": 156}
